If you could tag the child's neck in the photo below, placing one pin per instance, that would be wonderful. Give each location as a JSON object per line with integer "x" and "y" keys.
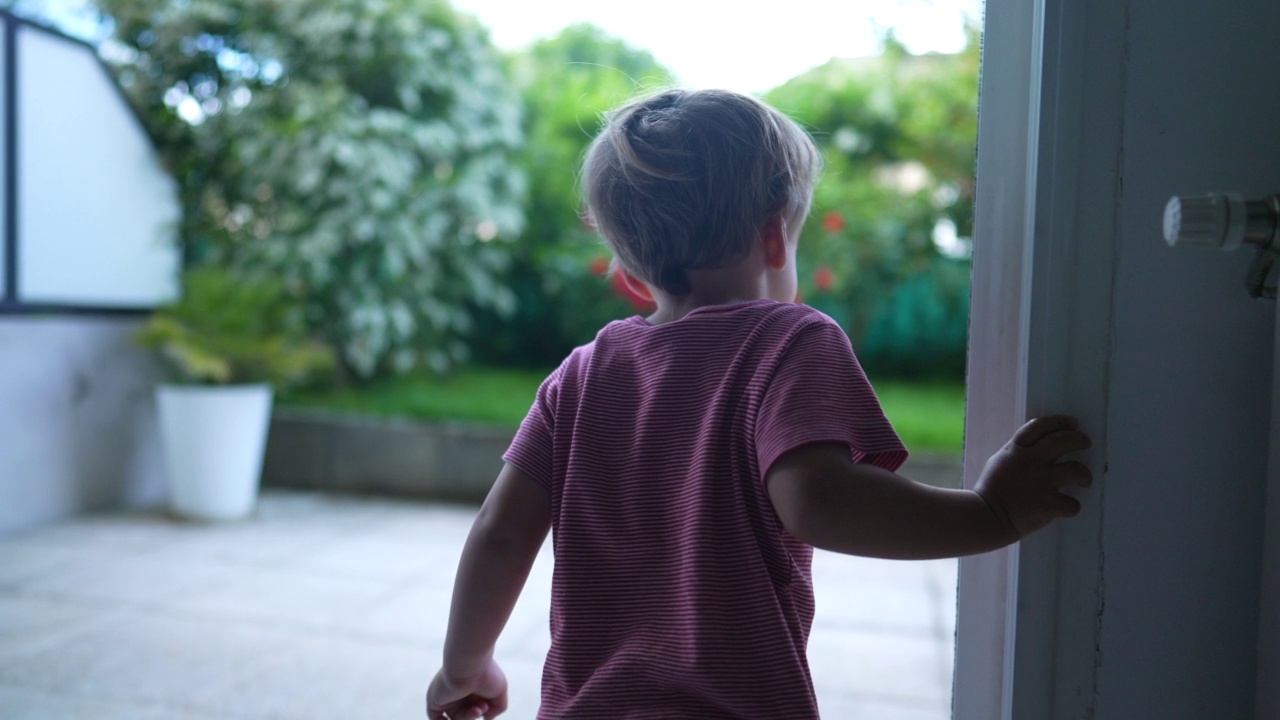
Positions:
{"x": 667, "y": 312}
{"x": 708, "y": 288}
{"x": 755, "y": 277}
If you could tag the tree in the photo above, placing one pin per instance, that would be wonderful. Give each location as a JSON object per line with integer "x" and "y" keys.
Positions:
{"x": 898, "y": 133}
{"x": 359, "y": 151}
{"x": 567, "y": 82}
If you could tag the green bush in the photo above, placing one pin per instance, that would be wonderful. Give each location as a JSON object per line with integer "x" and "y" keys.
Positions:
{"x": 921, "y": 330}
{"x": 363, "y": 153}
{"x": 567, "y": 82}
{"x": 228, "y": 330}
{"x": 898, "y": 133}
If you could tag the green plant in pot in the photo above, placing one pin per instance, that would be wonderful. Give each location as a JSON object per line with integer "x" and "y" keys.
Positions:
{"x": 228, "y": 343}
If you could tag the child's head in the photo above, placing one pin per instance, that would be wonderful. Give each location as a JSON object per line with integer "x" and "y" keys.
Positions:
{"x": 683, "y": 180}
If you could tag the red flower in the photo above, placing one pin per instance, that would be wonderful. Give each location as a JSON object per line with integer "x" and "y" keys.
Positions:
{"x": 823, "y": 278}
{"x": 599, "y": 266}
{"x": 833, "y": 222}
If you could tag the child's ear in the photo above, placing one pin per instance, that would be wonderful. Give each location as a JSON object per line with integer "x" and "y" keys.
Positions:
{"x": 634, "y": 285}
{"x": 773, "y": 235}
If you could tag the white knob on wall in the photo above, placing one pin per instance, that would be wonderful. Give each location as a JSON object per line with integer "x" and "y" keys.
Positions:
{"x": 1215, "y": 221}
{"x": 1225, "y": 221}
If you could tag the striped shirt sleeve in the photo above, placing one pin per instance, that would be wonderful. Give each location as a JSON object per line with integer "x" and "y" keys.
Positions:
{"x": 819, "y": 394}
{"x": 533, "y": 449}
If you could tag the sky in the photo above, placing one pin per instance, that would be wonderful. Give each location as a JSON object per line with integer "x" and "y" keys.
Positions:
{"x": 733, "y": 44}
{"x": 741, "y": 46}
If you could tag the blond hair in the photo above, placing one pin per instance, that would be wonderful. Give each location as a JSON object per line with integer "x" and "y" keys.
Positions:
{"x": 683, "y": 180}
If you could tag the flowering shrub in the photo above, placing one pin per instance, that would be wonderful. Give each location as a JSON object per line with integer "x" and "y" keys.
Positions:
{"x": 885, "y": 251}
{"x": 823, "y": 279}
{"x": 832, "y": 221}
{"x": 557, "y": 270}
{"x": 361, "y": 152}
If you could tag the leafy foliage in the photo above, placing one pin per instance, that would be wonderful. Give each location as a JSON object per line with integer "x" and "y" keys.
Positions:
{"x": 369, "y": 154}
{"x": 899, "y": 133}
{"x": 567, "y": 82}
{"x": 230, "y": 330}
{"x": 359, "y": 151}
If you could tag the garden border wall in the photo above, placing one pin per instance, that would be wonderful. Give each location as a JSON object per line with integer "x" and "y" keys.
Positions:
{"x": 326, "y": 450}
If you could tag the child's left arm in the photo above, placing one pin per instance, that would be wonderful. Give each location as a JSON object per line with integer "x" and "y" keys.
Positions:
{"x": 500, "y": 550}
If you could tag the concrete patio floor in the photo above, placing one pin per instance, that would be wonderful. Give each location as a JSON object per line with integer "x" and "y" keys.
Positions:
{"x": 327, "y": 606}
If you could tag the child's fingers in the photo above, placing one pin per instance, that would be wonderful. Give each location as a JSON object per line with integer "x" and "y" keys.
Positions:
{"x": 468, "y": 708}
{"x": 1067, "y": 506}
{"x": 1037, "y": 429}
{"x": 1070, "y": 473}
{"x": 497, "y": 705}
{"x": 1054, "y": 445}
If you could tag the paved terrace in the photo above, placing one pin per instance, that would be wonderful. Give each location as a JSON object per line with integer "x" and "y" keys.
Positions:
{"x": 327, "y": 606}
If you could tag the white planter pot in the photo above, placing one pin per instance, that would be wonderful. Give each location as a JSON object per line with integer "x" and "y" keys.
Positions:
{"x": 214, "y": 438}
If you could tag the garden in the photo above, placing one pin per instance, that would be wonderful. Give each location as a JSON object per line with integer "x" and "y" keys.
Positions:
{"x": 380, "y": 211}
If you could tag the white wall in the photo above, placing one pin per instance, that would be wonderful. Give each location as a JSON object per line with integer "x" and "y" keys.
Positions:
{"x": 4, "y": 162}
{"x": 96, "y": 212}
{"x": 1191, "y": 371}
{"x": 1147, "y": 605}
{"x": 77, "y": 419}
{"x": 95, "y": 232}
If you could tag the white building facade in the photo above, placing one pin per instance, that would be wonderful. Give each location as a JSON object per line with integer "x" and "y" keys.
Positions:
{"x": 87, "y": 246}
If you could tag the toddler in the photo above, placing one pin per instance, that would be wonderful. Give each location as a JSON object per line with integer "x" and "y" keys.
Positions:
{"x": 688, "y": 462}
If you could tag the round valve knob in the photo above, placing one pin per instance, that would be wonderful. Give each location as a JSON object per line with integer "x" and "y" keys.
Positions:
{"x": 1216, "y": 221}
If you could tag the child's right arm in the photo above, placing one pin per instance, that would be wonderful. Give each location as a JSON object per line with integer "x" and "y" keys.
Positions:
{"x": 500, "y": 550}
{"x": 830, "y": 502}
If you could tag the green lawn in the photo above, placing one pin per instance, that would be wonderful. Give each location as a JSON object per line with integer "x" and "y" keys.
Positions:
{"x": 474, "y": 395}
{"x": 928, "y": 416}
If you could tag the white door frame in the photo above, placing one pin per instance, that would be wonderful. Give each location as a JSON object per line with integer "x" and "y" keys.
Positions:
{"x": 1267, "y": 701}
{"x": 1049, "y": 137}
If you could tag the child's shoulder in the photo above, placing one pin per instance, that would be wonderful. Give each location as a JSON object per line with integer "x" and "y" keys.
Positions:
{"x": 799, "y": 313}
{"x": 760, "y": 311}
{"x": 709, "y": 324}
{"x": 759, "y": 318}
{"x": 789, "y": 318}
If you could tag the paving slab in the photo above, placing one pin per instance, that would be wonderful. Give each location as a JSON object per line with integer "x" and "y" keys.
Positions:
{"x": 331, "y": 606}
{"x": 19, "y": 703}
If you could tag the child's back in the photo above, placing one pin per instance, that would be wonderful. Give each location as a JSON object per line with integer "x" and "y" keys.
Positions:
{"x": 677, "y": 593}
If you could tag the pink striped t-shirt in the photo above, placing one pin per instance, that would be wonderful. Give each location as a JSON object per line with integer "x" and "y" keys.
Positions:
{"x": 676, "y": 591}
